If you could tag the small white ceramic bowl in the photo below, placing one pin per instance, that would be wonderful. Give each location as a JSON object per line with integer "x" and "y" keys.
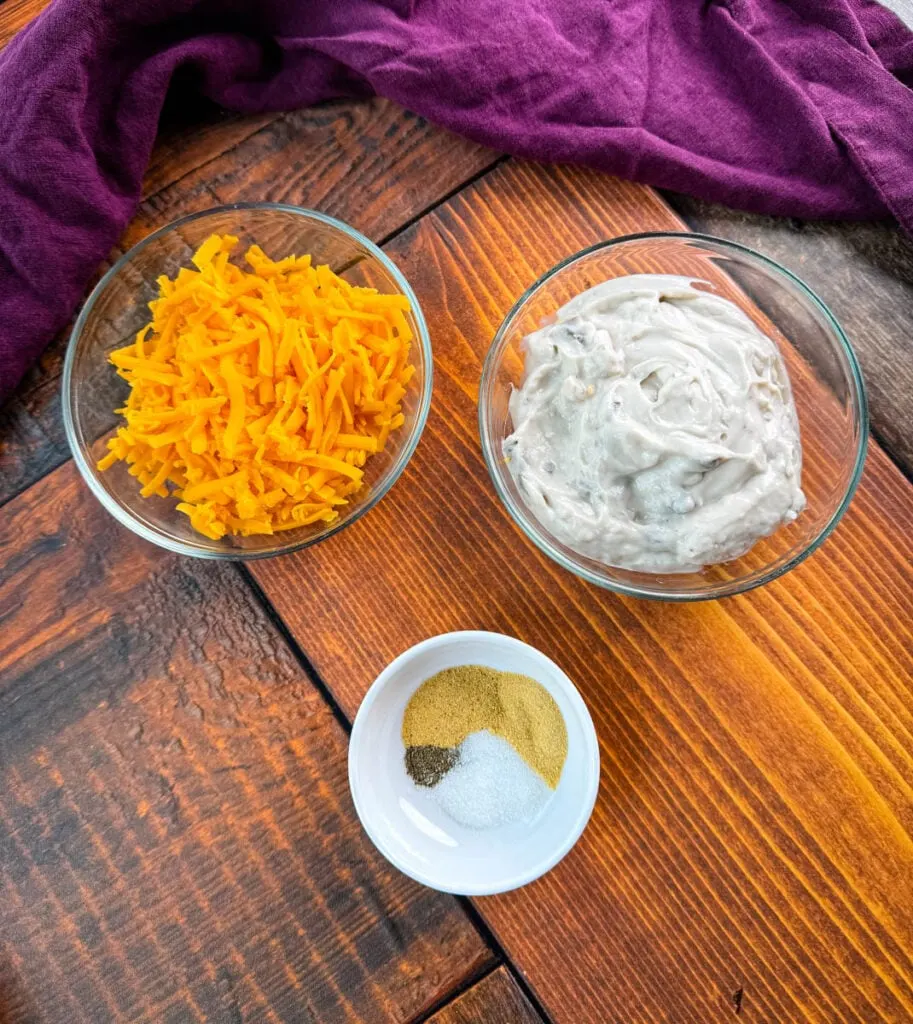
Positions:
{"x": 403, "y": 820}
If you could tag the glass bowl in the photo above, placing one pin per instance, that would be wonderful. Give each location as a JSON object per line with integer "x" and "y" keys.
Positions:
{"x": 118, "y": 308}
{"x": 827, "y": 387}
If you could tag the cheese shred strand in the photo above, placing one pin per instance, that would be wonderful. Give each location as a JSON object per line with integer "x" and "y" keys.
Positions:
{"x": 257, "y": 396}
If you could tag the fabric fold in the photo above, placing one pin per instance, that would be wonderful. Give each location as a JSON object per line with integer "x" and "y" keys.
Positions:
{"x": 798, "y": 107}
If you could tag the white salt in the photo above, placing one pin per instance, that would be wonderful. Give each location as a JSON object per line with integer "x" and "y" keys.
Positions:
{"x": 490, "y": 784}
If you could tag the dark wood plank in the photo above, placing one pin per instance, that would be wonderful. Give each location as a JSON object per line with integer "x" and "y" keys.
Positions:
{"x": 366, "y": 162}
{"x": 496, "y": 999}
{"x": 864, "y": 272}
{"x": 753, "y": 830}
{"x": 177, "y": 841}
{"x": 194, "y": 134}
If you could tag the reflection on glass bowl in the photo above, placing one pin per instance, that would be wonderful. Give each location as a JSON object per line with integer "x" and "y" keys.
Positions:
{"x": 118, "y": 308}
{"x": 826, "y": 382}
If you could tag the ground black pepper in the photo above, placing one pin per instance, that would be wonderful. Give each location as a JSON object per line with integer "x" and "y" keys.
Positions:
{"x": 457, "y": 702}
{"x": 427, "y": 765}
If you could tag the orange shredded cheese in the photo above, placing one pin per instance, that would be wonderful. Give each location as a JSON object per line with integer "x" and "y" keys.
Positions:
{"x": 257, "y": 396}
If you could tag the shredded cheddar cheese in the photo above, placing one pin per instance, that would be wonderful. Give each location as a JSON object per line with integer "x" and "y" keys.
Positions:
{"x": 257, "y": 396}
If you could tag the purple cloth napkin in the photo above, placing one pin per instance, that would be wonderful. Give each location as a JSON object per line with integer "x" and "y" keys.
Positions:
{"x": 798, "y": 107}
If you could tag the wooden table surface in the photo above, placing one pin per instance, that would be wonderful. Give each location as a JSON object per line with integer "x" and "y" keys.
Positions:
{"x": 177, "y": 841}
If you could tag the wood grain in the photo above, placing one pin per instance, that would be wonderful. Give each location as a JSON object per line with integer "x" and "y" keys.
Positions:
{"x": 177, "y": 841}
{"x": 366, "y": 162}
{"x": 191, "y": 135}
{"x": 864, "y": 272}
{"x": 496, "y": 999}
{"x": 751, "y": 844}
{"x": 16, "y": 14}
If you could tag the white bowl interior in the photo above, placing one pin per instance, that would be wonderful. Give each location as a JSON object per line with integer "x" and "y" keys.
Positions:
{"x": 404, "y": 821}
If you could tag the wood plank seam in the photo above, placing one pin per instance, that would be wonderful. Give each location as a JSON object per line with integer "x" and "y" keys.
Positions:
{"x": 385, "y": 240}
{"x": 468, "y": 183}
{"x": 875, "y": 432}
{"x": 456, "y": 992}
{"x": 860, "y": 270}
{"x": 482, "y": 926}
{"x": 256, "y": 129}
{"x": 294, "y": 647}
{"x": 496, "y": 999}
{"x": 684, "y": 751}
{"x": 470, "y": 910}
{"x": 230, "y": 770}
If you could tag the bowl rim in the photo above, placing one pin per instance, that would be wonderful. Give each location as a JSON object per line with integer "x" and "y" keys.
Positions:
{"x": 535, "y": 532}
{"x": 120, "y": 512}
{"x": 592, "y": 754}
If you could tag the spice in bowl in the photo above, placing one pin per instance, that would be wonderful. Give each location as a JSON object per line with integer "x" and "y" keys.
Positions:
{"x": 489, "y": 745}
{"x": 258, "y": 395}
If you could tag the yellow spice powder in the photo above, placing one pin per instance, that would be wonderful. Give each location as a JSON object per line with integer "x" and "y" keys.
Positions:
{"x": 449, "y": 706}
